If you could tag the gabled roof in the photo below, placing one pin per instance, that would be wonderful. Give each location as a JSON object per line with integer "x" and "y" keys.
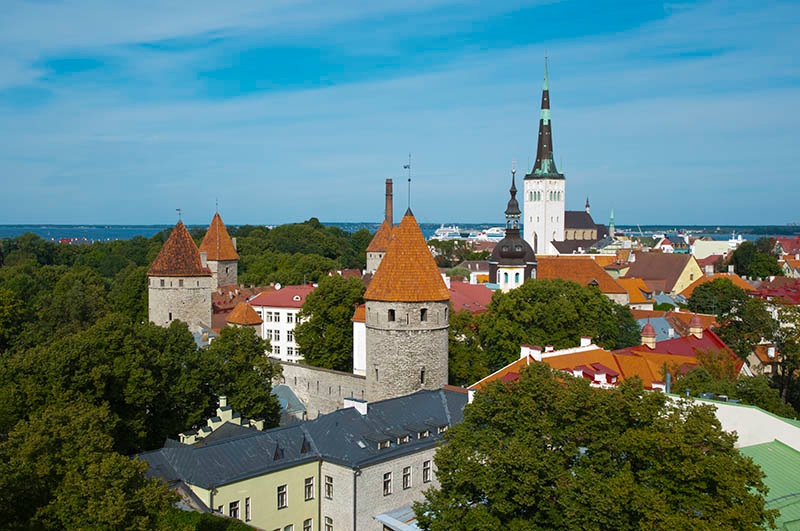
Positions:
{"x": 244, "y": 314}
{"x": 286, "y": 297}
{"x": 179, "y": 257}
{"x": 733, "y": 277}
{"x": 578, "y": 219}
{"x": 474, "y": 298}
{"x": 659, "y": 266}
{"x": 217, "y": 243}
{"x": 408, "y": 272}
{"x": 638, "y": 292}
{"x": 581, "y": 269}
{"x": 380, "y": 242}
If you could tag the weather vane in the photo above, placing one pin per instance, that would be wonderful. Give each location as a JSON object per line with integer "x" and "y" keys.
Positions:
{"x": 408, "y": 167}
{"x": 179, "y": 210}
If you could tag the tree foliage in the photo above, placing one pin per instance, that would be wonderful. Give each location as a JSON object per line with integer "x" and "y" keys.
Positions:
{"x": 550, "y": 452}
{"x": 552, "y": 312}
{"x": 756, "y": 259}
{"x": 466, "y": 357}
{"x": 745, "y": 325}
{"x": 717, "y": 297}
{"x": 324, "y": 332}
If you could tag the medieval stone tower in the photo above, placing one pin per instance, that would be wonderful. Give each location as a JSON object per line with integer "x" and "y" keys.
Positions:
{"x": 407, "y": 305}
{"x": 221, "y": 254}
{"x": 544, "y": 190}
{"x": 380, "y": 242}
{"x": 180, "y": 283}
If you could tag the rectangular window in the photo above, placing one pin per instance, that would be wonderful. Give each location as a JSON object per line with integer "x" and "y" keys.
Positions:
{"x": 221, "y": 509}
{"x": 162, "y": 282}
{"x": 289, "y": 335}
{"x": 289, "y": 317}
{"x": 423, "y": 315}
{"x": 180, "y": 283}
{"x": 329, "y": 487}
{"x": 426, "y": 472}
{"x": 423, "y": 434}
{"x": 233, "y": 509}
{"x": 328, "y": 523}
{"x": 268, "y": 335}
{"x": 277, "y": 335}
{"x": 391, "y": 316}
{"x": 289, "y": 351}
{"x": 277, "y": 317}
{"x": 170, "y": 316}
{"x": 283, "y": 499}
{"x": 387, "y": 483}
{"x": 309, "y": 488}
{"x": 407, "y": 477}
{"x": 247, "y": 510}
{"x": 276, "y": 350}
{"x": 289, "y": 527}
{"x": 308, "y": 525}
{"x": 441, "y": 429}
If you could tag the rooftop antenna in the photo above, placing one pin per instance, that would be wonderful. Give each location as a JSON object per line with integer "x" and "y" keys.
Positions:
{"x": 179, "y": 211}
{"x": 408, "y": 167}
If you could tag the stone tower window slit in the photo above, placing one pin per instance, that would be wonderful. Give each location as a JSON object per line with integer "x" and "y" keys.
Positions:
{"x": 391, "y": 316}
{"x": 423, "y": 314}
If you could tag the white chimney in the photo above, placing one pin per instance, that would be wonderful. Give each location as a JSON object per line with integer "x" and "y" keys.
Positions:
{"x": 548, "y": 348}
{"x": 524, "y": 351}
{"x": 470, "y": 396}
{"x": 671, "y": 332}
{"x": 730, "y": 269}
{"x": 771, "y": 352}
{"x": 360, "y": 405}
{"x": 536, "y": 352}
{"x": 223, "y": 401}
{"x": 586, "y": 341}
{"x": 203, "y": 259}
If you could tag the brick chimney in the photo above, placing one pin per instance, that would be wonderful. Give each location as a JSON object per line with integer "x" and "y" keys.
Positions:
{"x": 389, "y": 206}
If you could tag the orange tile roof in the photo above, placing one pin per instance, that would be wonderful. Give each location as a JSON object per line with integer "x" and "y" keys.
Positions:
{"x": 360, "y": 316}
{"x": 586, "y": 357}
{"x": 217, "y": 243}
{"x": 604, "y": 259}
{"x": 408, "y": 272}
{"x": 380, "y": 242}
{"x": 244, "y": 314}
{"x": 636, "y": 289}
{"x": 179, "y": 257}
{"x": 580, "y": 269}
{"x": 736, "y": 279}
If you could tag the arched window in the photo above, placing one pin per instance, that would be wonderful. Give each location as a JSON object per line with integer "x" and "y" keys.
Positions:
{"x": 505, "y": 278}
{"x": 516, "y": 278}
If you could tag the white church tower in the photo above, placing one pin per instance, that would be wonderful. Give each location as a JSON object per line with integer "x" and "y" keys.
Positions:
{"x": 544, "y": 189}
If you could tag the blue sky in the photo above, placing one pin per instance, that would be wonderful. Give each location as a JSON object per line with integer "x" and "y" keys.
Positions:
{"x": 115, "y": 112}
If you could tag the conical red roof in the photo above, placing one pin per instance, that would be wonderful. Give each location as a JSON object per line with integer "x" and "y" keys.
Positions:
{"x": 408, "y": 272}
{"x": 244, "y": 314}
{"x": 217, "y": 243}
{"x": 380, "y": 242}
{"x": 179, "y": 257}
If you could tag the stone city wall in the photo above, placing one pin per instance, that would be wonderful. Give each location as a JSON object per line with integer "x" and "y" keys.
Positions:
{"x": 322, "y": 390}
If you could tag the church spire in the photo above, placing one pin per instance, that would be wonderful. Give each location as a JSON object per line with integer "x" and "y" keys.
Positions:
{"x": 512, "y": 210}
{"x": 545, "y": 165}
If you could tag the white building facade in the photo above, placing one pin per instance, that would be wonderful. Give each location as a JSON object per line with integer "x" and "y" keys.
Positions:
{"x": 279, "y": 312}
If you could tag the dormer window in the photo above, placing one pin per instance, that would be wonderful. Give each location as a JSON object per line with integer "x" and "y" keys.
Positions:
{"x": 441, "y": 429}
{"x": 384, "y": 444}
{"x": 402, "y": 440}
{"x": 296, "y": 298}
{"x": 423, "y": 434}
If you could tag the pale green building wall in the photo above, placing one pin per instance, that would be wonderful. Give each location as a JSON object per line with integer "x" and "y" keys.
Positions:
{"x": 263, "y": 494}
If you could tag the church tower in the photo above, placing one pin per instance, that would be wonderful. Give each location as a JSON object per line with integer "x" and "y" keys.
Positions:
{"x": 407, "y": 306}
{"x": 513, "y": 259}
{"x": 544, "y": 190}
{"x": 179, "y": 283}
{"x": 220, "y": 249}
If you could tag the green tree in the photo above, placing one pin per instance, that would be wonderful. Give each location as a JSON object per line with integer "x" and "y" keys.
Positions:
{"x": 552, "y": 312}
{"x": 749, "y": 261}
{"x": 12, "y": 315}
{"x": 239, "y": 368}
{"x": 324, "y": 332}
{"x": 466, "y": 358}
{"x": 78, "y": 301}
{"x": 746, "y": 325}
{"x": 718, "y": 297}
{"x": 58, "y": 470}
{"x": 550, "y": 452}
{"x": 129, "y": 293}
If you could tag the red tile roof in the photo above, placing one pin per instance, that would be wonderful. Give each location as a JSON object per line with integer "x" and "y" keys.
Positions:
{"x": 286, "y": 297}
{"x": 790, "y": 245}
{"x": 244, "y": 314}
{"x": 360, "y": 315}
{"x": 708, "y": 260}
{"x": 736, "y": 279}
{"x": 179, "y": 257}
{"x": 786, "y": 294}
{"x": 380, "y": 242}
{"x": 474, "y": 298}
{"x": 581, "y": 269}
{"x": 408, "y": 272}
{"x": 217, "y": 243}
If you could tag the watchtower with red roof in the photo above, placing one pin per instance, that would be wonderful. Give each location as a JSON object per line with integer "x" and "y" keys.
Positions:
{"x": 220, "y": 249}
{"x": 376, "y": 249}
{"x": 180, "y": 283}
{"x": 407, "y": 305}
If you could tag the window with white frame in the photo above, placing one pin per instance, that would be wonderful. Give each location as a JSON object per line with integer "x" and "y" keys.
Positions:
{"x": 387, "y": 483}
{"x": 233, "y": 509}
{"x": 276, "y": 350}
{"x": 407, "y": 477}
{"x": 329, "y": 487}
{"x": 289, "y": 527}
{"x": 276, "y": 334}
{"x": 308, "y": 525}
{"x": 289, "y": 317}
{"x": 268, "y": 317}
{"x": 309, "y": 488}
{"x": 277, "y": 317}
{"x": 289, "y": 351}
{"x": 248, "y": 512}
{"x": 328, "y": 523}
{"x": 289, "y": 335}
{"x": 268, "y": 334}
{"x": 426, "y": 471}
{"x": 283, "y": 498}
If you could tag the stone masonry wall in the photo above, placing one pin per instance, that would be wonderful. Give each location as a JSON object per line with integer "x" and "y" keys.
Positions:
{"x": 373, "y": 261}
{"x": 188, "y": 299}
{"x": 398, "y": 351}
{"x": 224, "y": 273}
{"x": 322, "y": 390}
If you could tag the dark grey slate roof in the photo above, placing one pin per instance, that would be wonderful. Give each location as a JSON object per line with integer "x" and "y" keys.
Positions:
{"x": 572, "y": 246}
{"x": 578, "y": 219}
{"x": 344, "y": 436}
{"x": 227, "y": 430}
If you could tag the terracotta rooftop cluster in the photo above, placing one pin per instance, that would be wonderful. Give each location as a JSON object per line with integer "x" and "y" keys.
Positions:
{"x": 178, "y": 257}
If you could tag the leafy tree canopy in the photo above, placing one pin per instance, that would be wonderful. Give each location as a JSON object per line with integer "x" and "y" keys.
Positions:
{"x": 466, "y": 358}
{"x": 550, "y": 452}
{"x": 552, "y": 312}
{"x": 745, "y": 325}
{"x": 755, "y": 259}
{"x": 718, "y": 297}
{"x": 324, "y": 332}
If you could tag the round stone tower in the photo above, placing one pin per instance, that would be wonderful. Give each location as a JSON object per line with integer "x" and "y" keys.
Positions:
{"x": 179, "y": 283}
{"x": 407, "y": 307}
{"x": 220, "y": 249}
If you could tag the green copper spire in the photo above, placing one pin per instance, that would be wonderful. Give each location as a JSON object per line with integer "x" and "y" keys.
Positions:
{"x": 612, "y": 217}
{"x": 546, "y": 84}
